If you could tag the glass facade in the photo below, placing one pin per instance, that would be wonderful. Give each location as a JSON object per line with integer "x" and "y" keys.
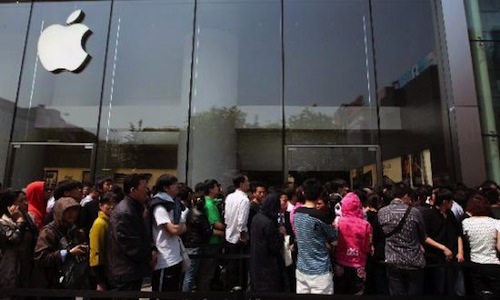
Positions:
{"x": 483, "y": 19}
{"x": 206, "y": 88}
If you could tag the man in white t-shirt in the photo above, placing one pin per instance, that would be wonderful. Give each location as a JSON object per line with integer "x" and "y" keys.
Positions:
{"x": 168, "y": 222}
{"x": 237, "y": 206}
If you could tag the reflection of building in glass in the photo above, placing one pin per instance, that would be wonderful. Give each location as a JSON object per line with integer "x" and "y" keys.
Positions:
{"x": 308, "y": 88}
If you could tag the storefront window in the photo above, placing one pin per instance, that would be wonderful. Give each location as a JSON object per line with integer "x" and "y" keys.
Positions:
{"x": 411, "y": 109}
{"x": 329, "y": 91}
{"x": 146, "y": 93}
{"x": 329, "y": 82}
{"x": 62, "y": 106}
{"x": 236, "y": 112}
{"x": 13, "y": 26}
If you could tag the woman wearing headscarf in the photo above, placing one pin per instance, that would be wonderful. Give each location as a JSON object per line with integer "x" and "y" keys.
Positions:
{"x": 37, "y": 201}
{"x": 267, "y": 265}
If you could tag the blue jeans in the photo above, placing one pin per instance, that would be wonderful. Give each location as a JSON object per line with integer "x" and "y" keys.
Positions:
{"x": 189, "y": 281}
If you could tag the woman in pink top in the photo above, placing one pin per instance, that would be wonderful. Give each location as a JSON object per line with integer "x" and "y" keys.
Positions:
{"x": 354, "y": 244}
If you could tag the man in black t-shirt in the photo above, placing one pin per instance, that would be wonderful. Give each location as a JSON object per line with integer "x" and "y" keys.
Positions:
{"x": 444, "y": 246}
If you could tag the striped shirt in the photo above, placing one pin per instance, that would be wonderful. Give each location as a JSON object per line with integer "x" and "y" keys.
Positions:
{"x": 313, "y": 231}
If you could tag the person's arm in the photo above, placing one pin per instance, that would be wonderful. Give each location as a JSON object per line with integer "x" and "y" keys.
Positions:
{"x": 447, "y": 252}
{"x": 498, "y": 240}
{"x": 163, "y": 219}
{"x": 243, "y": 211}
{"x": 175, "y": 229}
{"x": 460, "y": 254}
{"x": 214, "y": 217}
{"x": 47, "y": 253}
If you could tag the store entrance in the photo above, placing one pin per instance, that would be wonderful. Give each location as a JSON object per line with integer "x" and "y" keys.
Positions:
{"x": 50, "y": 162}
{"x": 359, "y": 165}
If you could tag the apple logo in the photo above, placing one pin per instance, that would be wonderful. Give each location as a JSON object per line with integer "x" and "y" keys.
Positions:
{"x": 60, "y": 47}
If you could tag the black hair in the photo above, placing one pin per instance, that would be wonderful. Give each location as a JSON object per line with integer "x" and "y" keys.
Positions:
{"x": 132, "y": 181}
{"x": 373, "y": 200}
{"x": 66, "y": 186}
{"x": 185, "y": 193}
{"x": 118, "y": 191}
{"x": 312, "y": 189}
{"x": 271, "y": 206}
{"x": 165, "y": 180}
{"x": 108, "y": 197}
{"x": 7, "y": 198}
{"x": 490, "y": 194}
{"x": 199, "y": 187}
{"x": 441, "y": 195}
{"x": 488, "y": 183}
{"x": 255, "y": 185}
{"x": 289, "y": 192}
{"x": 102, "y": 181}
{"x": 399, "y": 190}
{"x": 362, "y": 195}
{"x": 239, "y": 179}
{"x": 210, "y": 184}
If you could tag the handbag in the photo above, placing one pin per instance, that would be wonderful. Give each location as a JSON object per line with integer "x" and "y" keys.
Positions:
{"x": 287, "y": 252}
{"x": 186, "y": 261}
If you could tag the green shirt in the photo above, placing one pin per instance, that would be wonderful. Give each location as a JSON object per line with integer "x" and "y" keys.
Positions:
{"x": 213, "y": 217}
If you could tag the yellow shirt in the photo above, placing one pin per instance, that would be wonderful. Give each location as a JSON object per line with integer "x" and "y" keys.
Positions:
{"x": 98, "y": 240}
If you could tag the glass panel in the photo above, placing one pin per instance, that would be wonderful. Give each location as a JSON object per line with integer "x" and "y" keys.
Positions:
{"x": 62, "y": 106}
{"x": 490, "y": 18}
{"x": 236, "y": 106}
{"x": 484, "y": 34}
{"x": 411, "y": 110}
{"x": 492, "y": 50}
{"x": 358, "y": 166}
{"x": 145, "y": 104}
{"x": 51, "y": 163}
{"x": 13, "y": 25}
{"x": 329, "y": 96}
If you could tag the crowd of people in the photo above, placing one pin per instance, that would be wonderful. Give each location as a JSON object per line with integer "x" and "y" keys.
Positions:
{"x": 311, "y": 238}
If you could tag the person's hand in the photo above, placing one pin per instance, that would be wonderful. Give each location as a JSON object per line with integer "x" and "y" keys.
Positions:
{"x": 154, "y": 259}
{"x": 243, "y": 237}
{"x": 15, "y": 213}
{"x": 447, "y": 253}
{"x": 101, "y": 287}
{"x": 79, "y": 250}
{"x": 460, "y": 257}
{"x": 282, "y": 230}
{"x": 184, "y": 214}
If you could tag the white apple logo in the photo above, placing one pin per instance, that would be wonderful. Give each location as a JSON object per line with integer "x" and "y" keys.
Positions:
{"x": 60, "y": 47}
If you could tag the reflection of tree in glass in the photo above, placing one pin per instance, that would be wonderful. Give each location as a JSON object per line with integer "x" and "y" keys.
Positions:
{"x": 221, "y": 116}
{"x": 309, "y": 119}
{"x": 122, "y": 149}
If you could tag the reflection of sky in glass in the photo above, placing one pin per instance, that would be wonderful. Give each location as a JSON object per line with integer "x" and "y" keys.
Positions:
{"x": 147, "y": 77}
{"x": 325, "y": 59}
{"x": 154, "y": 44}
{"x": 42, "y": 88}
{"x": 238, "y": 54}
{"x": 324, "y": 52}
{"x": 403, "y": 35}
{"x": 13, "y": 22}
